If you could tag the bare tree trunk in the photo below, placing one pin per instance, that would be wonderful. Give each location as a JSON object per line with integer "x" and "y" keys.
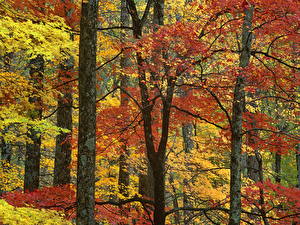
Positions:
{"x": 277, "y": 167}
{"x": 33, "y": 148}
{"x": 188, "y": 143}
{"x": 237, "y": 112}
{"x": 123, "y": 181}
{"x": 146, "y": 183}
{"x": 63, "y": 149}
{"x": 87, "y": 114}
{"x": 175, "y": 200}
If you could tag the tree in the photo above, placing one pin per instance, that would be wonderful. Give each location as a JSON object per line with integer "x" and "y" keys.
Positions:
{"x": 87, "y": 114}
{"x": 33, "y": 148}
{"x": 62, "y": 171}
{"x": 237, "y": 115}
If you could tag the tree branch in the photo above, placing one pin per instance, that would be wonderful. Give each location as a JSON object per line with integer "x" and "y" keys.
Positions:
{"x": 274, "y": 58}
{"x": 197, "y": 116}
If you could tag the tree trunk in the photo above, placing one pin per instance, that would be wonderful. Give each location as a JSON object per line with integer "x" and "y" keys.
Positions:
{"x": 277, "y": 167}
{"x": 156, "y": 158}
{"x": 33, "y": 148}
{"x": 188, "y": 143}
{"x": 123, "y": 181}
{"x": 62, "y": 172}
{"x": 87, "y": 114}
{"x": 146, "y": 183}
{"x": 237, "y": 112}
{"x": 5, "y": 150}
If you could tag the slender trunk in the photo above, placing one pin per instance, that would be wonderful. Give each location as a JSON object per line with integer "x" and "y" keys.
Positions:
{"x": 277, "y": 167}
{"x": 33, "y": 148}
{"x": 175, "y": 200}
{"x": 188, "y": 143}
{"x": 87, "y": 114}
{"x": 123, "y": 181}
{"x": 62, "y": 172}
{"x": 237, "y": 112}
{"x": 156, "y": 158}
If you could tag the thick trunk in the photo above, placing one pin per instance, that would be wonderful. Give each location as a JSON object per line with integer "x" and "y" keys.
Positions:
{"x": 146, "y": 183}
{"x": 159, "y": 191}
{"x": 62, "y": 172}
{"x": 33, "y": 148}
{"x": 87, "y": 114}
{"x": 237, "y": 112}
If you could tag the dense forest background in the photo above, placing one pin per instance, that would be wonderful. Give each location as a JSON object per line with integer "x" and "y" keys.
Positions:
{"x": 149, "y": 112}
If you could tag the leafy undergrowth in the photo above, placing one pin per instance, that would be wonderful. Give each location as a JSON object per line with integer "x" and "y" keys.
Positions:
{"x": 11, "y": 215}
{"x": 59, "y": 203}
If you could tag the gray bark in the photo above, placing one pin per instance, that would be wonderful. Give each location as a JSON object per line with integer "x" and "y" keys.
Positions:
{"x": 123, "y": 181}
{"x": 87, "y": 114}
{"x": 237, "y": 112}
{"x": 33, "y": 148}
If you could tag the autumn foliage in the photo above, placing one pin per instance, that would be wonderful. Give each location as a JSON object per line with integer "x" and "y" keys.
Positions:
{"x": 168, "y": 110}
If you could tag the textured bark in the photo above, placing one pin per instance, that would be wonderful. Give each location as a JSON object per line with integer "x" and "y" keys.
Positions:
{"x": 237, "y": 112}
{"x": 33, "y": 148}
{"x": 123, "y": 181}
{"x": 87, "y": 114}
{"x": 188, "y": 143}
{"x": 62, "y": 172}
